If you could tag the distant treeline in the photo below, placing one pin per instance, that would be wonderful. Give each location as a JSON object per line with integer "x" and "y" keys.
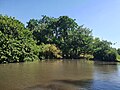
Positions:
{"x": 50, "y": 38}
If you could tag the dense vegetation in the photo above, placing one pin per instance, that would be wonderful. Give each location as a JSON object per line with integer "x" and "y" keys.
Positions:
{"x": 49, "y": 38}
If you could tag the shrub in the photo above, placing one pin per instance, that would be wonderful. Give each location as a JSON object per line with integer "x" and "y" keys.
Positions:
{"x": 105, "y": 54}
{"x": 49, "y": 51}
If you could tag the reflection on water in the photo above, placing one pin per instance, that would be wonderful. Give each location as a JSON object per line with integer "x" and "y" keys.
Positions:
{"x": 106, "y": 77}
{"x": 60, "y": 75}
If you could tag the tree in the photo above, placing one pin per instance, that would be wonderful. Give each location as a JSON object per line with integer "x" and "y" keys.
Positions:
{"x": 118, "y": 51}
{"x": 32, "y": 24}
{"x": 49, "y": 38}
{"x": 42, "y": 31}
{"x": 103, "y": 51}
{"x": 65, "y": 33}
{"x": 16, "y": 44}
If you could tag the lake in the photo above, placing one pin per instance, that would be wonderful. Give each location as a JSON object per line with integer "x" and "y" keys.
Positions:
{"x": 60, "y": 75}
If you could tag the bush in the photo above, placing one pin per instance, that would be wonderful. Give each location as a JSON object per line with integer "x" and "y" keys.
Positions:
{"x": 118, "y": 51}
{"x": 16, "y": 42}
{"x": 49, "y": 51}
{"x": 105, "y": 55}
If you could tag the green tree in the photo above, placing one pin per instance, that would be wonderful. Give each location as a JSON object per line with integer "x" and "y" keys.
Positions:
{"x": 16, "y": 44}
{"x": 118, "y": 51}
{"x": 32, "y": 24}
{"x": 42, "y": 31}
{"x": 104, "y": 51}
{"x": 65, "y": 33}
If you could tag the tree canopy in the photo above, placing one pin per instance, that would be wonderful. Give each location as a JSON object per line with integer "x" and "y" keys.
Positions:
{"x": 50, "y": 38}
{"x": 16, "y": 43}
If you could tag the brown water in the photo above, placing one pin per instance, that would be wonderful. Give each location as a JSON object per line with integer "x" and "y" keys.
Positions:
{"x": 60, "y": 75}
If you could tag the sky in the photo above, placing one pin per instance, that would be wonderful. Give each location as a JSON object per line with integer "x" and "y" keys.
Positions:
{"x": 102, "y": 16}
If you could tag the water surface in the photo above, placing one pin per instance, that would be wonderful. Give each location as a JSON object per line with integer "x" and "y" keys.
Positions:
{"x": 60, "y": 75}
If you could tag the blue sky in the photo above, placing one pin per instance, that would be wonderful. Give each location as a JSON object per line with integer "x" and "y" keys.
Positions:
{"x": 102, "y": 16}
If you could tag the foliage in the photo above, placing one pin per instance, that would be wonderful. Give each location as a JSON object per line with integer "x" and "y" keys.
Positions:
{"x": 118, "y": 51}
{"x": 65, "y": 33}
{"x": 103, "y": 51}
{"x": 49, "y": 51}
{"x": 50, "y": 38}
{"x": 118, "y": 57}
{"x": 16, "y": 44}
